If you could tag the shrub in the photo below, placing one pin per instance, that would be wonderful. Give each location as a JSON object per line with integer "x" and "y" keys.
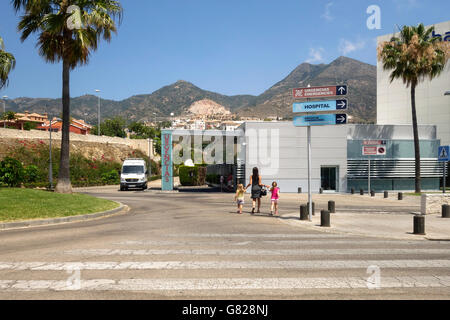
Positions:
{"x": 31, "y": 174}
{"x": 11, "y": 172}
{"x": 111, "y": 177}
{"x": 192, "y": 176}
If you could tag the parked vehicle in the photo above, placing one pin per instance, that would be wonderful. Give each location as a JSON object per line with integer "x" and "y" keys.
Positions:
{"x": 134, "y": 174}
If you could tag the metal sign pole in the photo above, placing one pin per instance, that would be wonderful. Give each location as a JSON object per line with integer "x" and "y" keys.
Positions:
{"x": 50, "y": 167}
{"x": 309, "y": 174}
{"x": 445, "y": 176}
{"x": 369, "y": 176}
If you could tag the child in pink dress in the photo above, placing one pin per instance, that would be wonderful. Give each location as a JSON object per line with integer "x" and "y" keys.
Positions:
{"x": 274, "y": 199}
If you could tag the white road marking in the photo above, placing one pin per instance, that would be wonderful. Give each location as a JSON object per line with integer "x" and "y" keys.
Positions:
{"x": 256, "y": 252}
{"x": 259, "y": 235}
{"x": 195, "y": 265}
{"x": 280, "y": 242}
{"x": 226, "y": 284}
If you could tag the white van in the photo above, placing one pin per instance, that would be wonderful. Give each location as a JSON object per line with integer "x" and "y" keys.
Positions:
{"x": 134, "y": 174}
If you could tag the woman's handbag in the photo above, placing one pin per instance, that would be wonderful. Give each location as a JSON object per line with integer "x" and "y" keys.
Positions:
{"x": 263, "y": 192}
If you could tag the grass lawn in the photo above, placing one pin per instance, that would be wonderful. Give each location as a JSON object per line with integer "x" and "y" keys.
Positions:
{"x": 28, "y": 204}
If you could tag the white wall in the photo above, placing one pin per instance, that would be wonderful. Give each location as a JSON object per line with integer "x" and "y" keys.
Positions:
{"x": 433, "y": 108}
{"x": 287, "y": 163}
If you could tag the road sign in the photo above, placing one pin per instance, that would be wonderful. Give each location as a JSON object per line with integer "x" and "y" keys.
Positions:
{"x": 317, "y": 106}
{"x": 320, "y": 92}
{"x": 320, "y": 120}
{"x": 374, "y": 151}
{"x": 374, "y": 142}
{"x": 444, "y": 154}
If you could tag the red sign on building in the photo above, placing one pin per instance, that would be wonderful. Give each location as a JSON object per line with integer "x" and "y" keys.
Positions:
{"x": 374, "y": 151}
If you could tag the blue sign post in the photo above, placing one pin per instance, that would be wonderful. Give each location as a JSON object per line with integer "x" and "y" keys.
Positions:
{"x": 318, "y": 106}
{"x": 320, "y": 120}
{"x": 444, "y": 156}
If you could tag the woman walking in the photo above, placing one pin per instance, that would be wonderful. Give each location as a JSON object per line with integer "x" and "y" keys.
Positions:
{"x": 255, "y": 182}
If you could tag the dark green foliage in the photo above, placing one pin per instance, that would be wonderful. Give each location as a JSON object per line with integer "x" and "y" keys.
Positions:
{"x": 9, "y": 115}
{"x": 111, "y": 177}
{"x": 11, "y": 172}
{"x": 192, "y": 176}
{"x": 112, "y": 128}
{"x": 83, "y": 171}
{"x": 27, "y": 126}
{"x": 31, "y": 174}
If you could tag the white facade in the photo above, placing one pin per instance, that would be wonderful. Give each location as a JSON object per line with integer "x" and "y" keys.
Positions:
{"x": 279, "y": 150}
{"x": 433, "y": 108}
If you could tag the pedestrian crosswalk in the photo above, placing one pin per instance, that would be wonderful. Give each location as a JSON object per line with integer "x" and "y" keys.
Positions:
{"x": 235, "y": 264}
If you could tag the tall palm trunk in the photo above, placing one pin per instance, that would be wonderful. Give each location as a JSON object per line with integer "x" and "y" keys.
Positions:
{"x": 64, "y": 185}
{"x": 416, "y": 137}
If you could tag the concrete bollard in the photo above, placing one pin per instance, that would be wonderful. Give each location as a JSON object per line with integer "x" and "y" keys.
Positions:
{"x": 400, "y": 196}
{"x": 299, "y": 190}
{"x": 352, "y": 191}
{"x": 325, "y": 219}
{"x": 419, "y": 225}
{"x": 361, "y": 192}
{"x": 445, "y": 211}
{"x": 386, "y": 194}
{"x": 321, "y": 190}
{"x": 313, "y": 208}
{"x": 332, "y": 206}
{"x": 304, "y": 213}
{"x": 372, "y": 193}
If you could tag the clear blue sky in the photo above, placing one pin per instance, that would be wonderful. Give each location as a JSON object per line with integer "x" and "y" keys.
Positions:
{"x": 227, "y": 46}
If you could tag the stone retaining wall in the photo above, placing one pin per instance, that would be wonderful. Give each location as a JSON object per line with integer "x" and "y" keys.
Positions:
{"x": 142, "y": 145}
{"x": 432, "y": 203}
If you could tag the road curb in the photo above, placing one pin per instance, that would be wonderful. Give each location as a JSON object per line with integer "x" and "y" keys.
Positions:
{"x": 53, "y": 221}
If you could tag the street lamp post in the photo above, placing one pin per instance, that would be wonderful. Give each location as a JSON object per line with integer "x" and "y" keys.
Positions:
{"x": 4, "y": 111}
{"x": 98, "y": 91}
{"x": 50, "y": 168}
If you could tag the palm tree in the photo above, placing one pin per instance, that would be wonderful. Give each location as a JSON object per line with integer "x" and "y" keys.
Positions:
{"x": 7, "y": 63}
{"x": 413, "y": 56}
{"x": 69, "y": 30}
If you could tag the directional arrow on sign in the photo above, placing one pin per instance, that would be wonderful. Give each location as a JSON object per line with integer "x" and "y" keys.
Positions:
{"x": 341, "y": 118}
{"x": 341, "y": 104}
{"x": 341, "y": 90}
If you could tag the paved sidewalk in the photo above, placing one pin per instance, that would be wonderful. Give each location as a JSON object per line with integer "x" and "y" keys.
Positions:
{"x": 377, "y": 217}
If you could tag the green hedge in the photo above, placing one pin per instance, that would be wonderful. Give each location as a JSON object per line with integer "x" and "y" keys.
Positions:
{"x": 28, "y": 164}
{"x": 192, "y": 176}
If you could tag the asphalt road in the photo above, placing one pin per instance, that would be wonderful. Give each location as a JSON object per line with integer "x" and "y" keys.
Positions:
{"x": 194, "y": 246}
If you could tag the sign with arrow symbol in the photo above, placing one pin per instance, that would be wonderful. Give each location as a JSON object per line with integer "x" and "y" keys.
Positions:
{"x": 341, "y": 90}
{"x": 319, "y": 106}
{"x": 320, "y": 120}
{"x": 320, "y": 92}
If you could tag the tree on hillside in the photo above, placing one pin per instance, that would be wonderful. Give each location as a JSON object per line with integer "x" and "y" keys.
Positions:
{"x": 7, "y": 63}
{"x": 9, "y": 115}
{"x": 413, "y": 56}
{"x": 111, "y": 128}
{"x": 68, "y": 31}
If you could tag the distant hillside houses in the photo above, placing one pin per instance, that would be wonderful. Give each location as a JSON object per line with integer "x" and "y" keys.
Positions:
{"x": 28, "y": 121}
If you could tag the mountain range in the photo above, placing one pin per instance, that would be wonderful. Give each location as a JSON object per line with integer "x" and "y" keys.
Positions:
{"x": 178, "y": 97}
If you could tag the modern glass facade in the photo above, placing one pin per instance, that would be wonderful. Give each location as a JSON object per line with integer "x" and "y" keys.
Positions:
{"x": 395, "y": 170}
